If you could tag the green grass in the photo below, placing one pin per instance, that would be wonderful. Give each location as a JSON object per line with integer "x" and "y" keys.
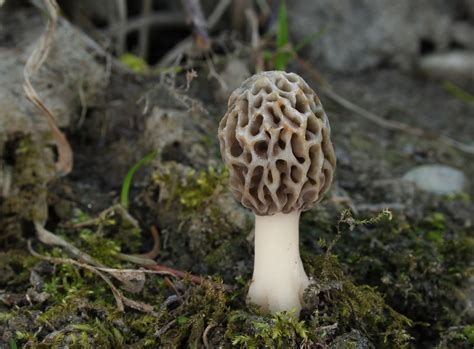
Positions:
{"x": 283, "y": 56}
{"x": 127, "y": 182}
{"x": 284, "y": 49}
{"x": 458, "y": 92}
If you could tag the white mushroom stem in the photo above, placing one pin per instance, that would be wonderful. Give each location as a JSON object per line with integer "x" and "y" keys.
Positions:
{"x": 279, "y": 278}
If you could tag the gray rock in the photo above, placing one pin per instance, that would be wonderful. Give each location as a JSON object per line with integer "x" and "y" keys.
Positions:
{"x": 175, "y": 134}
{"x": 363, "y": 34}
{"x": 467, "y": 8}
{"x": 232, "y": 76}
{"x": 456, "y": 65}
{"x": 69, "y": 81}
{"x": 70, "y": 78}
{"x": 463, "y": 34}
{"x": 437, "y": 179}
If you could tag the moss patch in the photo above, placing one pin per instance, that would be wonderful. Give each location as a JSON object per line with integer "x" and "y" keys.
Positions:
{"x": 419, "y": 263}
{"x": 31, "y": 168}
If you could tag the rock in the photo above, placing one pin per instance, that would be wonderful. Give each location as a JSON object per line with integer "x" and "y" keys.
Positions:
{"x": 463, "y": 34}
{"x": 364, "y": 34}
{"x": 437, "y": 179}
{"x": 456, "y": 65}
{"x": 63, "y": 87}
{"x": 175, "y": 134}
{"x": 467, "y": 8}
{"x": 70, "y": 79}
{"x": 231, "y": 210}
{"x": 232, "y": 76}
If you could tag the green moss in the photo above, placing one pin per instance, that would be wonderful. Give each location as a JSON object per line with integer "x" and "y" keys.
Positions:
{"x": 15, "y": 268}
{"x": 4, "y": 317}
{"x": 281, "y": 330}
{"x": 84, "y": 323}
{"x": 105, "y": 237}
{"x": 464, "y": 197}
{"x": 203, "y": 222}
{"x": 468, "y": 332}
{"x": 33, "y": 167}
{"x": 194, "y": 188}
{"x": 201, "y": 186}
{"x": 412, "y": 267}
{"x": 419, "y": 265}
{"x": 82, "y": 306}
{"x": 335, "y": 299}
{"x": 100, "y": 247}
{"x": 135, "y": 63}
{"x": 461, "y": 337}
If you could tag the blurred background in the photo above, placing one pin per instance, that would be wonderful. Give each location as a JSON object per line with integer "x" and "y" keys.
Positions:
{"x": 108, "y": 119}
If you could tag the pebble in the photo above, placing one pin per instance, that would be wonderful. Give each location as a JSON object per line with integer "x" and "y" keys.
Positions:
{"x": 456, "y": 66}
{"x": 437, "y": 179}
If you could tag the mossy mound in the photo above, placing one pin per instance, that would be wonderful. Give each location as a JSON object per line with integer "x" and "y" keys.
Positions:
{"x": 421, "y": 264}
{"x": 31, "y": 167}
{"x": 357, "y": 298}
{"x": 80, "y": 311}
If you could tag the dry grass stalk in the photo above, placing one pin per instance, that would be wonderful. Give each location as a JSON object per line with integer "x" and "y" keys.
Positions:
{"x": 35, "y": 61}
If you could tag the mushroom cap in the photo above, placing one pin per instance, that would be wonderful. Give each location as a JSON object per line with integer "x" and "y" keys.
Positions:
{"x": 275, "y": 140}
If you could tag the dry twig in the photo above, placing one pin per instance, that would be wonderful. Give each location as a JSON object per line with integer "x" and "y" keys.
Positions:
{"x": 206, "y": 333}
{"x": 155, "y": 251}
{"x": 196, "y": 17}
{"x": 213, "y": 73}
{"x": 33, "y": 64}
{"x": 102, "y": 215}
{"x": 50, "y": 239}
{"x": 165, "y": 328}
{"x": 133, "y": 280}
{"x": 145, "y": 258}
{"x": 120, "y": 299}
{"x": 186, "y": 45}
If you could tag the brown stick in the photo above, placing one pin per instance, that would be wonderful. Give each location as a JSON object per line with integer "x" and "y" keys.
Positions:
{"x": 155, "y": 251}
{"x": 206, "y": 333}
{"x": 50, "y": 239}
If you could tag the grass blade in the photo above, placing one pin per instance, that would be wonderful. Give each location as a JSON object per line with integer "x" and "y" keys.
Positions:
{"x": 282, "y": 56}
{"x": 127, "y": 181}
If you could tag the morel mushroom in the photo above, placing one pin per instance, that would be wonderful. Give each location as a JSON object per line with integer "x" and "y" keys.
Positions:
{"x": 275, "y": 139}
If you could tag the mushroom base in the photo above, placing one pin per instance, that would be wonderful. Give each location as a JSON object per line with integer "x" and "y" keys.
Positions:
{"x": 279, "y": 279}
